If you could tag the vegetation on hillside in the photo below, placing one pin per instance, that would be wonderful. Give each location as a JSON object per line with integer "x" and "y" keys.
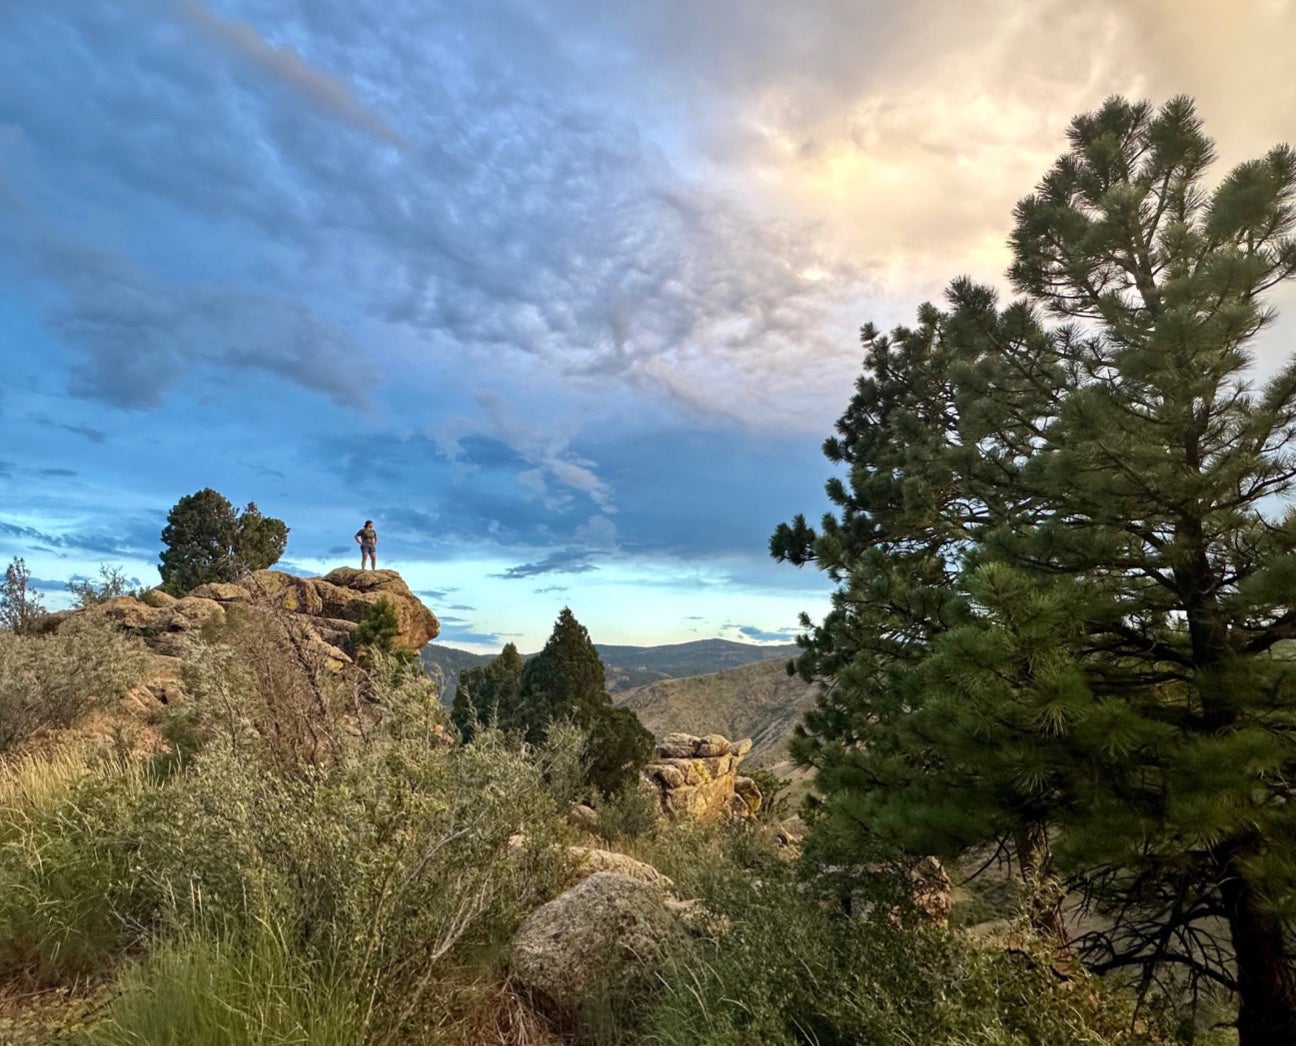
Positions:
{"x": 297, "y": 868}
{"x": 1065, "y": 554}
{"x": 564, "y": 683}
{"x": 21, "y": 607}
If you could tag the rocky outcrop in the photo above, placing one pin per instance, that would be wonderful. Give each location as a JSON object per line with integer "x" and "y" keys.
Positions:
{"x": 321, "y": 613}
{"x": 335, "y": 603}
{"x": 698, "y": 777}
{"x": 609, "y": 930}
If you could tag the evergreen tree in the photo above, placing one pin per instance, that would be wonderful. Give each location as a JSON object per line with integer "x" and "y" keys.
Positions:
{"x": 208, "y": 540}
{"x": 379, "y": 631}
{"x": 1078, "y": 636}
{"x": 482, "y": 692}
{"x": 565, "y": 682}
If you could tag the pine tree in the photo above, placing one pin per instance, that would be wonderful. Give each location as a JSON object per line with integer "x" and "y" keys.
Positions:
{"x": 1067, "y": 624}
{"x": 208, "y": 540}
{"x": 566, "y": 682}
{"x": 482, "y": 692}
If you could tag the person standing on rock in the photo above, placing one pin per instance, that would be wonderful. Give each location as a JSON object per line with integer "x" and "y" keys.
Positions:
{"x": 367, "y": 538}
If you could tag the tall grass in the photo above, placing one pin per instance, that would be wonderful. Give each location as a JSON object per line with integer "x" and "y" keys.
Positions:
{"x": 251, "y": 987}
{"x": 66, "y": 874}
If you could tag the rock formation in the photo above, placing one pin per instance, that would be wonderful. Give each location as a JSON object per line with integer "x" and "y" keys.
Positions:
{"x": 698, "y": 777}
{"x": 321, "y": 612}
{"x": 608, "y": 930}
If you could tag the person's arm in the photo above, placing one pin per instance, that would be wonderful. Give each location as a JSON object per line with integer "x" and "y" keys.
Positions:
{"x": 357, "y": 538}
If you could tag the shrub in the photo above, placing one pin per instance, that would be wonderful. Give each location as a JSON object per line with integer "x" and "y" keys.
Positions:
{"x": 21, "y": 609}
{"x": 112, "y": 583}
{"x": 377, "y": 633}
{"x": 48, "y": 681}
{"x": 779, "y": 963}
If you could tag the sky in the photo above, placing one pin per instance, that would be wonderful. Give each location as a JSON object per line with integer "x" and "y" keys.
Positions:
{"x": 564, "y": 296}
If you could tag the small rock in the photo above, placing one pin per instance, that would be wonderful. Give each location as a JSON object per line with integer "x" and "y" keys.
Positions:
{"x": 713, "y": 745}
{"x": 678, "y": 746}
{"x": 590, "y": 861}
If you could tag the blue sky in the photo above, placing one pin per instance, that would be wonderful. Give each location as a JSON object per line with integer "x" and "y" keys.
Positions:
{"x": 563, "y": 296}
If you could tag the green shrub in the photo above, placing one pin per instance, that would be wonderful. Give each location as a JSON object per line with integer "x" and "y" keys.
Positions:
{"x": 377, "y": 633}
{"x": 628, "y": 814}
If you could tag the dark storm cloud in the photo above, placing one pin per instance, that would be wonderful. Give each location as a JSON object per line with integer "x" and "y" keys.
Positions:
{"x": 136, "y": 336}
{"x": 564, "y": 561}
{"x": 670, "y": 484}
{"x": 456, "y": 635}
{"x": 45, "y": 584}
{"x": 286, "y": 65}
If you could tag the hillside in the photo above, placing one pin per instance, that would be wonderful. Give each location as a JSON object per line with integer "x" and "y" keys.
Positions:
{"x": 760, "y": 701}
{"x": 627, "y": 666}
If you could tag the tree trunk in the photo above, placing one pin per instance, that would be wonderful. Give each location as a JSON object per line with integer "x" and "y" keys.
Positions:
{"x": 1266, "y": 969}
{"x": 1034, "y": 862}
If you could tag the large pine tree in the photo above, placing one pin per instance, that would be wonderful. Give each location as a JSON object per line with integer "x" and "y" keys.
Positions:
{"x": 1067, "y": 565}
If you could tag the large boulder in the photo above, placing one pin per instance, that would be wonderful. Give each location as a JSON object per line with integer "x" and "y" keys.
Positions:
{"x": 608, "y": 930}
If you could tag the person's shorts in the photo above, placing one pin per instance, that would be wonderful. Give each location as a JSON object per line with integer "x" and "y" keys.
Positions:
{"x": 371, "y": 550}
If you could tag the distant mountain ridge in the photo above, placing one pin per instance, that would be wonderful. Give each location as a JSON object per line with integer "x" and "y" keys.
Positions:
{"x": 627, "y": 666}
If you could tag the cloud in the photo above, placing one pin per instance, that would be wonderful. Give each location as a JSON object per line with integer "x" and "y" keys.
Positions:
{"x": 528, "y": 227}
{"x": 44, "y": 584}
{"x": 136, "y": 336}
{"x": 286, "y": 65}
{"x": 566, "y": 561}
{"x": 762, "y": 635}
{"x": 129, "y": 538}
{"x": 57, "y": 473}
{"x": 85, "y": 431}
{"x": 466, "y": 635}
